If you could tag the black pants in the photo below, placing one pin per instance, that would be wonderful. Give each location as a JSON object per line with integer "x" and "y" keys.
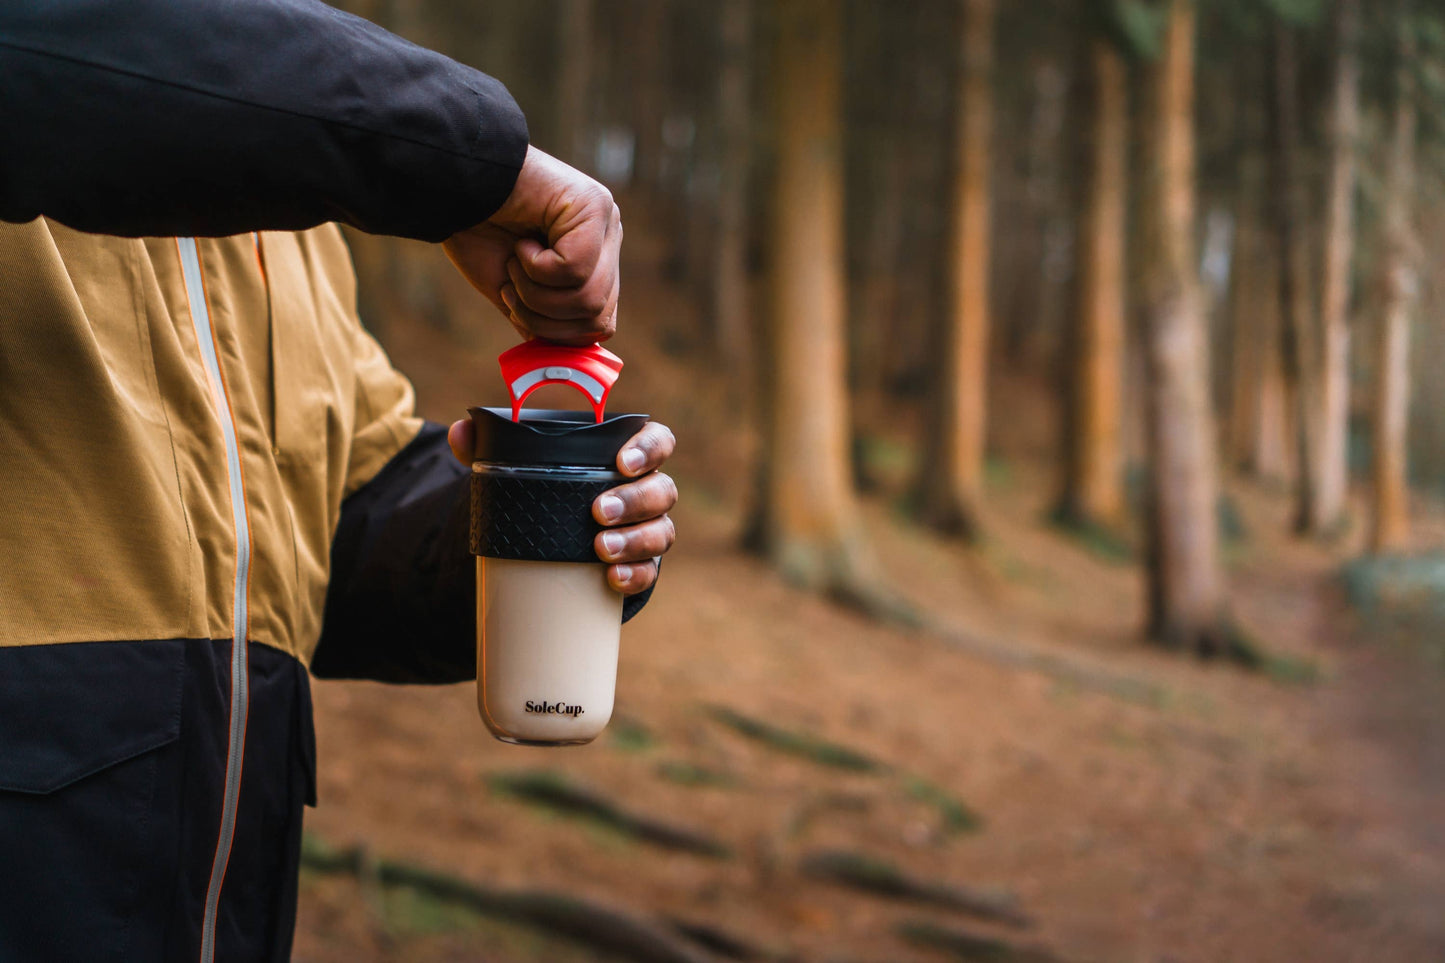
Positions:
{"x": 112, "y": 770}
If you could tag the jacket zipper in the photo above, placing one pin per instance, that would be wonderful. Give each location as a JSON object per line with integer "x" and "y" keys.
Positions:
{"x": 240, "y": 667}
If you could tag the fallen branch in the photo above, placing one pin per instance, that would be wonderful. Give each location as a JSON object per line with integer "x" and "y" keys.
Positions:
{"x": 972, "y": 947}
{"x": 720, "y": 941}
{"x": 630, "y": 937}
{"x": 1015, "y": 655}
{"x": 870, "y": 875}
{"x": 797, "y": 744}
{"x": 552, "y": 790}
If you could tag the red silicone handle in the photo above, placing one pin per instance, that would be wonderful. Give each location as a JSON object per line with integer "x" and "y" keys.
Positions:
{"x": 592, "y": 370}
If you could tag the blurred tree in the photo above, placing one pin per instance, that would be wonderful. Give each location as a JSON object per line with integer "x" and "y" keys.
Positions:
{"x": 811, "y": 524}
{"x": 729, "y": 282}
{"x": 575, "y": 82}
{"x": 1186, "y": 592}
{"x": 1093, "y": 487}
{"x": 1030, "y": 329}
{"x": 951, "y": 483}
{"x": 1248, "y": 278}
{"x": 1298, "y": 344}
{"x": 1238, "y": 58}
{"x": 1344, "y": 130}
{"x": 897, "y": 226}
{"x": 873, "y": 95}
{"x": 1401, "y": 283}
{"x": 646, "y": 49}
{"x": 1273, "y": 458}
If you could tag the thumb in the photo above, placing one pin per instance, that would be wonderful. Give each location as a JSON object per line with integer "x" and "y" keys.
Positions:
{"x": 462, "y": 438}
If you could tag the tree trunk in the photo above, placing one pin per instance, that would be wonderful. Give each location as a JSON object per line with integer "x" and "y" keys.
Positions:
{"x": 878, "y": 315}
{"x": 1297, "y": 325}
{"x": 1185, "y": 584}
{"x": 730, "y": 247}
{"x": 649, "y": 88}
{"x": 1329, "y": 504}
{"x": 1094, "y": 493}
{"x": 1273, "y": 455}
{"x": 1247, "y": 292}
{"x": 813, "y": 533}
{"x": 1392, "y": 378}
{"x": 952, "y": 482}
{"x": 574, "y": 82}
{"x": 1027, "y": 336}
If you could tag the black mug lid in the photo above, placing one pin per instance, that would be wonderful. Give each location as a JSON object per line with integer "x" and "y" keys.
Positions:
{"x": 550, "y": 438}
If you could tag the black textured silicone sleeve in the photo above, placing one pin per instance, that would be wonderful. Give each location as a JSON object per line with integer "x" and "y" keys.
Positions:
{"x": 535, "y": 518}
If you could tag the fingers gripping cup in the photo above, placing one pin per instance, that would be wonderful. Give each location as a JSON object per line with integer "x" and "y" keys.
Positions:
{"x": 548, "y": 624}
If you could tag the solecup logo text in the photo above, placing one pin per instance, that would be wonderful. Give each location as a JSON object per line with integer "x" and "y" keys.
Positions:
{"x": 554, "y": 708}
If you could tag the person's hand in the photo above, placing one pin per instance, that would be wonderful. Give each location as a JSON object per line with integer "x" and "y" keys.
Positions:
{"x": 548, "y": 258}
{"x": 634, "y": 514}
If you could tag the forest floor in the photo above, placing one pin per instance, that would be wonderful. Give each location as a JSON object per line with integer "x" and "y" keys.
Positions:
{"x": 1133, "y": 804}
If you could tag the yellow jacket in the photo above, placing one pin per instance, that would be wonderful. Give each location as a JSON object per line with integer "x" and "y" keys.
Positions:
{"x": 117, "y": 520}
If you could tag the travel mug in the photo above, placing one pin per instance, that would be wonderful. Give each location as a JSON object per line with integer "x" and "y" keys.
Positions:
{"x": 548, "y": 624}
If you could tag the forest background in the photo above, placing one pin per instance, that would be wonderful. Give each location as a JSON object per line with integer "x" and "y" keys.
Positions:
{"x": 1060, "y": 571}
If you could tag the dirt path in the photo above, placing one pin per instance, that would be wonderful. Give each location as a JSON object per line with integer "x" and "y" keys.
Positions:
{"x": 1385, "y": 720}
{"x": 1240, "y": 820}
{"x": 1223, "y": 817}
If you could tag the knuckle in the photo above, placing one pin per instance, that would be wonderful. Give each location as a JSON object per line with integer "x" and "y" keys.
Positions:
{"x": 658, "y": 436}
{"x": 657, "y": 495}
{"x": 571, "y": 273}
{"x": 594, "y": 303}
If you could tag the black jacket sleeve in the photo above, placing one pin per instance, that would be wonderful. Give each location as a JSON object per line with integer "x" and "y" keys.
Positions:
{"x": 401, "y": 603}
{"x": 215, "y": 117}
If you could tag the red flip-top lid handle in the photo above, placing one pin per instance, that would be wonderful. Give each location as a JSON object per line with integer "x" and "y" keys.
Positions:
{"x": 592, "y": 370}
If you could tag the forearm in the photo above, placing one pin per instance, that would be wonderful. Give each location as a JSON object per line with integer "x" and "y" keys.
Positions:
{"x": 401, "y": 603}
{"x": 214, "y": 117}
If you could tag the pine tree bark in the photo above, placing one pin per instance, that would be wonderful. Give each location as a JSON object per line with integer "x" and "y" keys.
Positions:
{"x": 1329, "y": 505}
{"x": 1391, "y": 528}
{"x": 1186, "y": 590}
{"x": 1246, "y": 292}
{"x": 1298, "y": 345}
{"x": 812, "y": 533}
{"x": 1028, "y": 335}
{"x": 878, "y": 312}
{"x": 649, "y": 89}
{"x": 730, "y": 273}
{"x": 1273, "y": 454}
{"x": 952, "y": 481}
{"x": 1094, "y": 493}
